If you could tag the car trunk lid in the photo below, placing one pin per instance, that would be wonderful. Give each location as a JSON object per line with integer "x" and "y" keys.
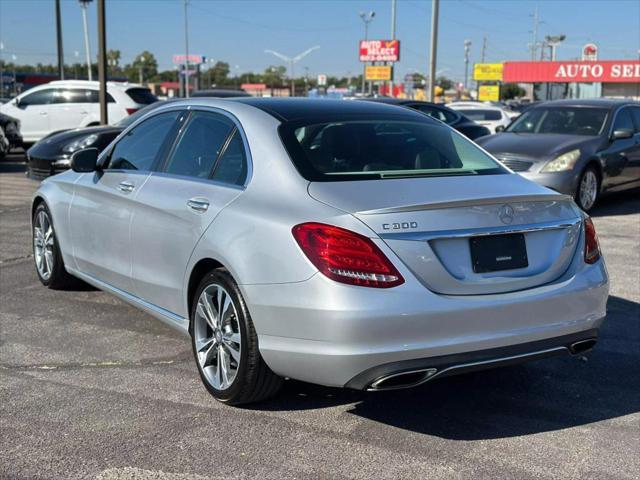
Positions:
{"x": 466, "y": 235}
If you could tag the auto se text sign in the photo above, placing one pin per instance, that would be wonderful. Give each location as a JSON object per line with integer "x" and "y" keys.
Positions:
{"x": 379, "y": 50}
{"x": 610, "y": 71}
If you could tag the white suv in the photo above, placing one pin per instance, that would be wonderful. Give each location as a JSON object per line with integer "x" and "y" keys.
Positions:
{"x": 66, "y": 104}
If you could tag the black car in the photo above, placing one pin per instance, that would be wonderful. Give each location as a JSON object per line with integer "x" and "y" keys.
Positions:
{"x": 9, "y": 134}
{"x": 583, "y": 148}
{"x": 52, "y": 154}
{"x": 455, "y": 119}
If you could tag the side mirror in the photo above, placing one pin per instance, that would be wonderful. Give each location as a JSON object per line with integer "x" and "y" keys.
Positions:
{"x": 621, "y": 133}
{"x": 500, "y": 128}
{"x": 84, "y": 161}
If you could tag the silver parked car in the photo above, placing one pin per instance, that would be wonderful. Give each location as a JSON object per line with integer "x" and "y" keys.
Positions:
{"x": 350, "y": 244}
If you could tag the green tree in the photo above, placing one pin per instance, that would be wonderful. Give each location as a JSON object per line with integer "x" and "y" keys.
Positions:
{"x": 145, "y": 63}
{"x": 274, "y": 75}
{"x": 511, "y": 90}
{"x": 444, "y": 83}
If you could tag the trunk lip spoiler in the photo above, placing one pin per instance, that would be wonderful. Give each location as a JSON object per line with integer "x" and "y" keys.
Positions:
{"x": 573, "y": 224}
{"x": 471, "y": 202}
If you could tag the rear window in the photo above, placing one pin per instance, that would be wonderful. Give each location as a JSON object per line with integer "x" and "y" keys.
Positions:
{"x": 142, "y": 95}
{"x": 371, "y": 149}
{"x": 481, "y": 115}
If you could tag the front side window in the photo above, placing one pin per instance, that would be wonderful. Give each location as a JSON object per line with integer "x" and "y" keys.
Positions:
{"x": 370, "y": 149}
{"x": 140, "y": 148}
{"x": 41, "y": 97}
{"x": 76, "y": 95}
{"x": 561, "y": 120}
{"x": 201, "y": 143}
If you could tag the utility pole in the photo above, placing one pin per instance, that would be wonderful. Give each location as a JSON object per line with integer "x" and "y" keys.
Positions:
{"x": 186, "y": 51}
{"x": 393, "y": 37}
{"x": 59, "y": 41}
{"x": 534, "y": 42}
{"x": 367, "y": 18}
{"x": 433, "y": 50}
{"x": 1, "y": 71}
{"x": 102, "y": 62}
{"x": 85, "y": 4}
{"x": 484, "y": 49}
{"x": 467, "y": 48}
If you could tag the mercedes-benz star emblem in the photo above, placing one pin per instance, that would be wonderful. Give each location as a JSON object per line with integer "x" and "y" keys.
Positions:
{"x": 505, "y": 214}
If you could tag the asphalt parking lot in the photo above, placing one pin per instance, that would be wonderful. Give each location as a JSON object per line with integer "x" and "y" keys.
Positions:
{"x": 92, "y": 388}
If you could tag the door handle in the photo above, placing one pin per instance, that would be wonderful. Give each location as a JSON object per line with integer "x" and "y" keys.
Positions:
{"x": 198, "y": 204}
{"x": 43, "y": 113}
{"x": 126, "y": 187}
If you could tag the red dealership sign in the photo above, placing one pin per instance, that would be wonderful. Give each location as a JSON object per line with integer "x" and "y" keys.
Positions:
{"x": 379, "y": 50}
{"x": 610, "y": 71}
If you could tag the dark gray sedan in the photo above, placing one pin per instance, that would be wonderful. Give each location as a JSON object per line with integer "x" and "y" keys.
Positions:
{"x": 582, "y": 148}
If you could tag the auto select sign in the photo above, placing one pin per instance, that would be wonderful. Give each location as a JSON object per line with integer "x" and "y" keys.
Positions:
{"x": 379, "y": 50}
{"x": 610, "y": 71}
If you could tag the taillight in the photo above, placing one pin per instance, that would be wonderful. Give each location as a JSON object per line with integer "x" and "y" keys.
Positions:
{"x": 131, "y": 111}
{"x": 346, "y": 256}
{"x": 591, "y": 245}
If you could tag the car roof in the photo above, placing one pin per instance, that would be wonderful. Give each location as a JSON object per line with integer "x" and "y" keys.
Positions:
{"x": 473, "y": 106}
{"x": 91, "y": 84}
{"x": 290, "y": 109}
{"x": 592, "y": 102}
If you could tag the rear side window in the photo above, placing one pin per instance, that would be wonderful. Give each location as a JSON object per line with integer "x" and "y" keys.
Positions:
{"x": 232, "y": 165}
{"x": 94, "y": 97}
{"x": 75, "y": 95}
{"x": 41, "y": 97}
{"x": 200, "y": 145}
{"x": 142, "y": 95}
{"x": 482, "y": 115}
{"x": 141, "y": 147}
{"x": 442, "y": 115}
{"x": 380, "y": 149}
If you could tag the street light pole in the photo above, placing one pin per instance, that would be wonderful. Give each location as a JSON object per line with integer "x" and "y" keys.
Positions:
{"x": 393, "y": 37}
{"x": 367, "y": 18}
{"x": 292, "y": 61}
{"x": 433, "y": 50}
{"x": 186, "y": 51}
{"x": 102, "y": 62}
{"x": 467, "y": 46}
{"x": 59, "y": 41}
{"x": 85, "y": 4}
{"x": 141, "y": 61}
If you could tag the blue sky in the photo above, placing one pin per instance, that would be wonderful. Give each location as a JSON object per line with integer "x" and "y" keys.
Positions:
{"x": 238, "y": 31}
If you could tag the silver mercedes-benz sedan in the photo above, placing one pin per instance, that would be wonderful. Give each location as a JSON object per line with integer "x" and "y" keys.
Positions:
{"x": 349, "y": 244}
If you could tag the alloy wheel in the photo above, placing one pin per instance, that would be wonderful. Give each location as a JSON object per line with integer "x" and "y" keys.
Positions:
{"x": 43, "y": 244}
{"x": 217, "y": 336}
{"x": 588, "y": 189}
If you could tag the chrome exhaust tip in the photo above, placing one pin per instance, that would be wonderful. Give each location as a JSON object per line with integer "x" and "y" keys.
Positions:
{"x": 582, "y": 346}
{"x": 409, "y": 379}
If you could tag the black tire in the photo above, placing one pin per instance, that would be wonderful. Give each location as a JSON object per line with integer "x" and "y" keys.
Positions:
{"x": 254, "y": 380}
{"x": 585, "y": 201}
{"x": 59, "y": 278}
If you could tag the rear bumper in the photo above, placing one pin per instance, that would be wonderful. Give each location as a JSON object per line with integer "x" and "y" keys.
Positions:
{"x": 332, "y": 334}
{"x": 456, "y": 364}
